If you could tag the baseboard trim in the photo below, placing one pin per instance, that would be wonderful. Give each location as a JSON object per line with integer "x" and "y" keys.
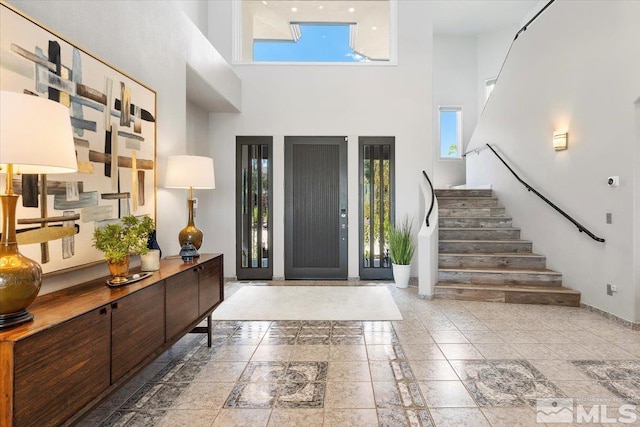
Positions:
{"x": 632, "y": 325}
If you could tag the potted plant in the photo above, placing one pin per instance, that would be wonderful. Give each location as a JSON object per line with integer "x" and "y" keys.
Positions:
{"x": 121, "y": 240}
{"x": 402, "y": 247}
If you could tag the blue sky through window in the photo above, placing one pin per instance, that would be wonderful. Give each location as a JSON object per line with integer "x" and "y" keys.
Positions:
{"x": 318, "y": 43}
{"x": 448, "y": 133}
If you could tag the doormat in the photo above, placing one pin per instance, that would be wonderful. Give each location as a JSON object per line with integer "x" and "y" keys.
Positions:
{"x": 309, "y": 303}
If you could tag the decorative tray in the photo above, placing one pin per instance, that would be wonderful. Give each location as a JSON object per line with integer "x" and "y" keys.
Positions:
{"x": 132, "y": 278}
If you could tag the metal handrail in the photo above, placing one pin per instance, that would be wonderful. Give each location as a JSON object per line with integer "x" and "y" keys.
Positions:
{"x": 524, "y": 27}
{"x": 581, "y": 227}
{"x": 433, "y": 198}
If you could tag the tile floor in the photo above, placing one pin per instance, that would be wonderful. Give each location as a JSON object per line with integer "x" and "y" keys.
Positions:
{"x": 448, "y": 363}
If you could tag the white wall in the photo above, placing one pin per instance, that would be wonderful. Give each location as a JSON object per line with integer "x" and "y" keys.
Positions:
{"x": 492, "y": 50}
{"x": 281, "y": 100}
{"x": 575, "y": 68}
{"x": 152, "y": 42}
{"x": 454, "y": 84}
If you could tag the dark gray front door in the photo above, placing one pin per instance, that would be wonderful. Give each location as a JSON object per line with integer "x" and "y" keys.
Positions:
{"x": 315, "y": 207}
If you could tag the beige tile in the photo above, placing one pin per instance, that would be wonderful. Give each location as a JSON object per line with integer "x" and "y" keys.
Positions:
{"x": 446, "y": 394}
{"x": 356, "y": 395}
{"x": 422, "y": 352}
{"x": 458, "y": 417}
{"x": 310, "y": 353}
{"x": 296, "y": 418}
{"x": 516, "y": 336}
{"x": 460, "y": 351}
{"x": 188, "y": 418}
{"x": 348, "y": 371}
{"x": 449, "y": 337}
{"x": 572, "y": 352}
{"x": 220, "y": 372}
{"x": 203, "y": 396}
{"x": 234, "y": 353}
{"x": 609, "y": 351}
{"x": 535, "y": 351}
{"x": 350, "y": 418}
{"x": 488, "y": 337}
{"x": 590, "y": 389}
{"x": 433, "y": 370}
{"x": 498, "y": 351}
{"x": 347, "y": 352}
{"x": 272, "y": 353}
{"x": 511, "y": 417}
{"x": 559, "y": 370}
{"x": 382, "y": 352}
{"x": 381, "y": 371}
{"x": 414, "y": 337}
{"x": 242, "y": 418}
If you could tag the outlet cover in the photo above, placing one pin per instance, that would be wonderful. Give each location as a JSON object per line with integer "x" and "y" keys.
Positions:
{"x": 609, "y": 217}
{"x": 609, "y": 290}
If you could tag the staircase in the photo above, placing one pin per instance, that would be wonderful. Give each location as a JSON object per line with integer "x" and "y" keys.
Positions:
{"x": 482, "y": 258}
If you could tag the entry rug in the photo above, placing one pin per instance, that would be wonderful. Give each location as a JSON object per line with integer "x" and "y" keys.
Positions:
{"x": 309, "y": 303}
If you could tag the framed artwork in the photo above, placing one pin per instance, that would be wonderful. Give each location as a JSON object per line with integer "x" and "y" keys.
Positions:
{"x": 114, "y": 124}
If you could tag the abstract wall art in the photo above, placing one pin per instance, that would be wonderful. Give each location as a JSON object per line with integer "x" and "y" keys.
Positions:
{"x": 114, "y": 122}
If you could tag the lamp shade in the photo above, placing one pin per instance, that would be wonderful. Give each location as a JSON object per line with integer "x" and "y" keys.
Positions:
{"x": 35, "y": 135}
{"x": 190, "y": 172}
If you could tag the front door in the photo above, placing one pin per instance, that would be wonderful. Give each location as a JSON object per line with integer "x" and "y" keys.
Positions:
{"x": 316, "y": 207}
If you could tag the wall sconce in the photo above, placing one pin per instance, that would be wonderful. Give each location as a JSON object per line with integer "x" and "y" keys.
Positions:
{"x": 560, "y": 140}
{"x": 35, "y": 138}
{"x": 190, "y": 172}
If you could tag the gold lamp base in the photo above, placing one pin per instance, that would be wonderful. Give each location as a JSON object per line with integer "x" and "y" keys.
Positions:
{"x": 191, "y": 233}
{"x": 20, "y": 277}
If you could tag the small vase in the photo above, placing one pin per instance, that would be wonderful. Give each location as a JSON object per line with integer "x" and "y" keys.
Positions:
{"x": 150, "y": 261}
{"x": 119, "y": 269}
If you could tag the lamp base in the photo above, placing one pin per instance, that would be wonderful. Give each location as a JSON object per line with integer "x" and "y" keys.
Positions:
{"x": 13, "y": 319}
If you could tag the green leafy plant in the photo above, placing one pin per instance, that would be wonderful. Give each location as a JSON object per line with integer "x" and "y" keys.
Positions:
{"x": 401, "y": 243}
{"x": 126, "y": 238}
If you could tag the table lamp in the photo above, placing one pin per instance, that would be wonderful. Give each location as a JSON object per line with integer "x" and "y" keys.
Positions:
{"x": 192, "y": 172}
{"x": 35, "y": 138}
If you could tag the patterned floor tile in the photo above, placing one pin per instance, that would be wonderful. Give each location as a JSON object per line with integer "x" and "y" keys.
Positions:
{"x": 622, "y": 378}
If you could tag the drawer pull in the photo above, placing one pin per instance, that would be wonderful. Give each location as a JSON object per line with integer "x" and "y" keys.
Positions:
{"x": 103, "y": 310}
{"x": 114, "y": 305}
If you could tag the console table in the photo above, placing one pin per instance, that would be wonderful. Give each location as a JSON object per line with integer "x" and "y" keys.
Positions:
{"x": 86, "y": 341}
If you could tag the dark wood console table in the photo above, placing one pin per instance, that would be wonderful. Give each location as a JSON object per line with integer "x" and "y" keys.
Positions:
{"x": 86, "y": 341}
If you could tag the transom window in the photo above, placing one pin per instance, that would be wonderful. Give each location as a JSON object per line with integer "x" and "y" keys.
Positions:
{"x": 313, "y": 31}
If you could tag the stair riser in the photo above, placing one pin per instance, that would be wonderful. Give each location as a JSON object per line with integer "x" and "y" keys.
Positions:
{"x": 477, "y": 202}
{"x": 484, "y": 247}
{"x": 475, "y": 222}
{"x": 500, "y": 278}
{"x": 492, "y": 261}
{"x": 465, "y": 212}
{"x": 549, "y": 298}
{"x": 466, "y": 234}
{"x": 464, "y": 193}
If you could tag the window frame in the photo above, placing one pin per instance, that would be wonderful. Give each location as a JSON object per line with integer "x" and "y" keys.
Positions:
{"x": 460, "y": 131}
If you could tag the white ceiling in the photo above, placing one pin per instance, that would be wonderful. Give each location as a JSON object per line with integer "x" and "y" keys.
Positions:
{"x": 478, "y": 16}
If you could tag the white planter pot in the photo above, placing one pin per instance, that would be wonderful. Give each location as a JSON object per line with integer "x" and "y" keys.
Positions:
{"x": 401, "y": 275}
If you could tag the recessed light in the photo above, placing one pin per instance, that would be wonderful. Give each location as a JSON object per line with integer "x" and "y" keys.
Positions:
{"x": 352, "y": 9}
{"x": 374, "y": 28}
{"x": 264, "y": 2}
{"x": 294, "y": 9}
{"x": 321, "y": 7}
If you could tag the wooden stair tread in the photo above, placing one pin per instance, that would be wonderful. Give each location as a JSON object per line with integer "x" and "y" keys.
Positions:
{"x": 499, "y": 270}
{"x": 488, "y": 241}
{"x": 478, "y": 228}
{"x": 508, "y": 288}
{"x": 475, "y": 217}
{"x": 494, "y": 254}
